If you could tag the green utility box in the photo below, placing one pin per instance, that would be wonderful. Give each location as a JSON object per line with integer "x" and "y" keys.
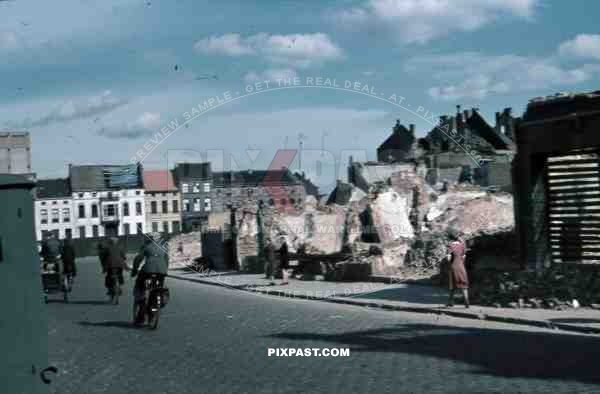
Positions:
{"x": 23, "y": 324}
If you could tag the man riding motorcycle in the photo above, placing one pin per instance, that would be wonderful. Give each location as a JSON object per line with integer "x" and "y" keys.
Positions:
{"x": 156, "y": 263}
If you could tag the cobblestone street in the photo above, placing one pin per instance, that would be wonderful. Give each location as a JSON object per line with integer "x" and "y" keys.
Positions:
{"x": 215, "y": 340}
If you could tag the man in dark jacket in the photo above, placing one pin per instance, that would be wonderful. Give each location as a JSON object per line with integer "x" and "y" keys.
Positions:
{"x": 156, "y": 261}
{"x": 68, "y": 259}
{"x": 114, "y": 263}
{"x": 271, "y": 266}
{"x": 284, "y": 260}
{"x": 51, "y": 252}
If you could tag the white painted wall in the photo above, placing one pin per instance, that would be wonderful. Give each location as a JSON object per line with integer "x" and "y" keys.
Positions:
{"x": 62, "y": 225}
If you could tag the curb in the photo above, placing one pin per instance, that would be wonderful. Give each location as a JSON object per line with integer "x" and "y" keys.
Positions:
{"x": 399, "y": 308}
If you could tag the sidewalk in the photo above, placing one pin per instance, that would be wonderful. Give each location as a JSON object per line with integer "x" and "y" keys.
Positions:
{"x": 399, "y": 297}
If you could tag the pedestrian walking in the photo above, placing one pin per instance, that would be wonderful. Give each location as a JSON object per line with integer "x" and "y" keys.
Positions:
{"x": 284, "y": 260}
{"x": 271, "y": 262}
{"x": 68, "y": 260}
{"x": 115, "y": 259}
{"x": 457, "y": 273}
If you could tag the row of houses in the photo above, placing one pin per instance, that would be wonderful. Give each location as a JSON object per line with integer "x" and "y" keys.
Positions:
{"x": 121, "y": 200}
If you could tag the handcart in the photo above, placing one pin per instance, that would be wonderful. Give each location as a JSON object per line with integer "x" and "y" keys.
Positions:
{"x": 53, "y": 281}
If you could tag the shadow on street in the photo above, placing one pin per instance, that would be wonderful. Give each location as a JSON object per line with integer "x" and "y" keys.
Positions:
{"x": 509, "y": 354}
{"x": 116, "y": 324}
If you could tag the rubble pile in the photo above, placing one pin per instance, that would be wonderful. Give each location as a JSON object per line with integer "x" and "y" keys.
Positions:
{"x": 555, "y": 288}
{"x": 399, "y": 227}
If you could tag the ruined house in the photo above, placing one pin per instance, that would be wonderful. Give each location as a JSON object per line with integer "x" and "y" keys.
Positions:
{"x": 466, "y": 148}
{"x": 398, "y": 146}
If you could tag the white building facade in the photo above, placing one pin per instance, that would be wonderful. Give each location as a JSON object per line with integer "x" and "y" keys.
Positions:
{"x": 53, "y": 207}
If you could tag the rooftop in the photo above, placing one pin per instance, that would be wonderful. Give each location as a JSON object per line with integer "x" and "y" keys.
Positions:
{"x": 159, "y": 181}
{"x": 52, "y": 188}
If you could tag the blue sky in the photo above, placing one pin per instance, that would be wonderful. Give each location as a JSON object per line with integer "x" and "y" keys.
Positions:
{"x": 93, "y": 81}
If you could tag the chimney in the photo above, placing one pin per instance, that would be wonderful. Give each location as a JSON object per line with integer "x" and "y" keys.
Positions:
{"x": 458, "y": 109}
{"x": 397, "y": 126}
{"x": 497, "y": 118}
{"x": 412, "y": 129}
{"x": 443, "y": 118}
{"x": 507, "y": 111}
{"x": 467, "y": 114}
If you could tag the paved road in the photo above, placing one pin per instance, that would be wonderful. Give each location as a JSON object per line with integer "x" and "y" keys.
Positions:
{"x": 215, "y": 340}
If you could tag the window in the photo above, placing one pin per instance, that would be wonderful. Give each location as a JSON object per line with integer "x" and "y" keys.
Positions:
{"x": 82, "y": 232}
{"x": 186, "y": 205}
{"x": 155, "y": 227}
{"x": 165, "y": 227}
{"x": 66, "y": 212}
{"x": 196, "y": 204}
{"x": 43, "y": 202}
{"x": 44, "y": 216}
{"x": 54, "y": 202}
{"x": 292, "y": 201}
{"x": 140, "y": 228}
{"x": 137, "y": 192}
{"x": 126, "y": 228}
{"x": 138, "y": 208}
{"x": 165, "y": 207}
{"x": 125, "y": 209}
{"x": 110, "y": 210}
{"x": 207, "y": 188}
{"x": 94, "y": 210}
{"x": 174, "y": 194}
{"x": 283, "y": 201}
{"x": 176, "y": 227}
{"x": 164, "y": 194}
{"x": 65, "y": 202}
{"x": 175, "y": 206}
{"x": 196, "y": 188}
{"x": 153, "y": 208}
{"x": 82, "y": 211}
{"x": 68, "y": 233}
{"x": 80, "y": 195}
{"x": 95, "y": 230}
{"x": 207, "y": 204}
{"x": 94, "y": 194}
{"x": 185, "y": 187}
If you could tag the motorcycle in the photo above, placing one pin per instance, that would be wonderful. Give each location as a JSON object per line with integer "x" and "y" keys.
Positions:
{"x": 155, "y": 298}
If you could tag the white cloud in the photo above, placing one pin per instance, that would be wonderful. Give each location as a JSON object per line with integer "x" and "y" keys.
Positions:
{"x": 272, "y": 74}
{"x": 419, "y": 21}
{"x": 295, "y": 50}
{"x": 8, "y": 40}
{"x": 582, "y": 46}
{"x": 475, "y": 75}
{"x": 146, "y": 124}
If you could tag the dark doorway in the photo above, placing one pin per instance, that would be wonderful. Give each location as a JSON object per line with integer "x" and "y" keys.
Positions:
{"x": 111, "y": 230}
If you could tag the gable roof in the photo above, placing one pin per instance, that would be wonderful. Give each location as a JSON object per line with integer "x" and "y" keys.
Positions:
{"x": 497, "y": 140}
{"x": 159, "y": 181}
{"x": 401, "y": 139}
{"x": 482, "y": 135}
{"x": 52, "y": 188}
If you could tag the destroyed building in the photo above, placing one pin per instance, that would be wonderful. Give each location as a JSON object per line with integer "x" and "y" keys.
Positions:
{"x": 465, "y": 148}
{"x": 557, "y": 183}
{"x": 255, "y": 187}
{"x": 398, "y": 146}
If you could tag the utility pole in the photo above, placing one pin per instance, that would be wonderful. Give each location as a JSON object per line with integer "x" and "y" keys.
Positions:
{"x": 301, "y": 139}
{"x": 323, "y": 135}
